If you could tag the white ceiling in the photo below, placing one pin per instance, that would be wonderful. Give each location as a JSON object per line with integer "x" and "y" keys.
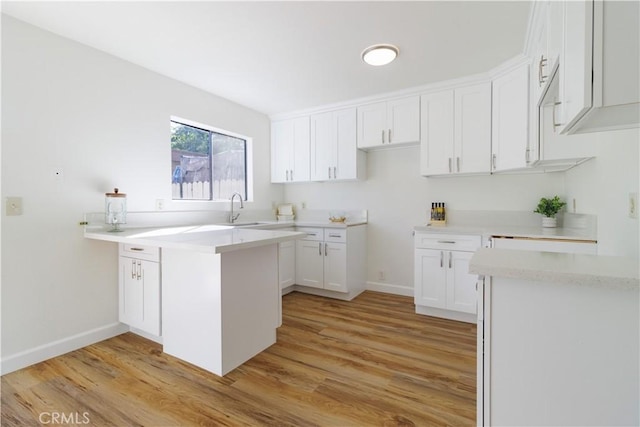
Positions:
{"x": 277, "y": 57}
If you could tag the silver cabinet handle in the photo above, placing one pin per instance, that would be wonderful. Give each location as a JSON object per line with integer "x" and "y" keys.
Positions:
{"x": 389, "y": 138}
{"x": 320, "y": 249}
{"x": 334, "y": 235}
{"x": 441, "y": 259}
{"x": 133, "y": 268}
{"x": 526, "y": 155}
{"x": 334, "y": 173}
{"x": 329, "y": 171}
{"x": 447, "y": 241}
{"x": 326, "y": 245}
{"x": 383, "y": 136}
{"x": 493, "y": 161}
{"x": 449, "y": 259}
{"x": 541, "y": 78}
{"x": 449, "y": 164}
{"x": 137, "y": 249}
{"x": 458, "y": 164}
{"x": 291, "y": 174}
{"x": 139, "y": 273}
{"x": 287, "y": 175}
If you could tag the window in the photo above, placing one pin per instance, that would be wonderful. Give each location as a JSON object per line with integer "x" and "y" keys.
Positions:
{"x": 207, "y": 164}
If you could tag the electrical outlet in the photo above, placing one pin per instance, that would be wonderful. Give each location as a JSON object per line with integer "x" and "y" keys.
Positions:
{"x": 633, "y": 205}
{"x": 159, "y": 204}
{"x": 381, "y": 275}
{"x": 13, "y": 206}
{"x": 304, "y": 205}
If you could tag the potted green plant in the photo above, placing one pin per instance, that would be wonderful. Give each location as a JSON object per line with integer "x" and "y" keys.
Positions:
{"x": 549, "y": 208}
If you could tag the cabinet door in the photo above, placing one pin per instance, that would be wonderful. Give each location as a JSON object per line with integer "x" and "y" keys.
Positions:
{"x": 510, "y": 118}
{"x": 430, "y": 278}
{"x": 346, "y": 150}
{"x": 576, "y": 63}
{"x": 335, "y": 266}
{"x": 461, "y": 286}
{"x": 403, "y": 120}
{"x": 140, "y": 294}
{"x": 281, "y": 149}
{"x": 309, "y": 263}
{"x": 436, "y": 142}
{"x": 287, "y": 263}
{"x": 372, "y": 120}
{"x": 323, "y": 143}
{"x": 300, "y": 159}
{"x": 131, "y": 292}
{"x": 472, "y": 143}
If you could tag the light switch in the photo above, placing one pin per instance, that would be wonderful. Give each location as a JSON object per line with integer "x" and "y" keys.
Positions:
{"x": 13, "y": 206}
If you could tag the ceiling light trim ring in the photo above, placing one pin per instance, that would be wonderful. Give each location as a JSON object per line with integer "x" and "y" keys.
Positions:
{"x": 389, "y": 53}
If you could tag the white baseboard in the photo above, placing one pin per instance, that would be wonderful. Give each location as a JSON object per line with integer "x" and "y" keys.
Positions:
{"x": 147, "y": 335}
{"x": 447, "y": 314}
{"x": 390, "y": 288}
{"x": 57, "y": 348}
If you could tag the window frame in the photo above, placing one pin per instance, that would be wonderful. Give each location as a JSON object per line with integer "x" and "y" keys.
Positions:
{"x": 248, "y": 159}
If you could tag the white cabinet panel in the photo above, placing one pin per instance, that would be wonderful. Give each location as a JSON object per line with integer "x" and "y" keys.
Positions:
{"x": 403, "y": 120}
{"x": 461, "y": 290}
{"x": 436, "y": 143}
{"x": 335, "y": 267}
{"x": 510, "y": 119}
{"x": 456, "y": 131}
{"x": 334, "y": 152}
{"x": 393, "y": 122}
{"x": 430, "y": 278}
{"x": 287, "y": 263}
{"x": 472, "y": 144}
{"x": 575, "y": 64}
{"x": 309, "y": 263}
{"x": 290, "y": 150}
{"x": 139, "y": 304}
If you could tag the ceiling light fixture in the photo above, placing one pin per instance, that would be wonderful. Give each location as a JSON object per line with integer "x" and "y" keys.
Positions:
{"x": 380, "y": 54}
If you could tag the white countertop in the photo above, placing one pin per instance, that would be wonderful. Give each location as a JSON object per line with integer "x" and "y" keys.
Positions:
{"x": 514, "y": 231}
{"x": 202, "y": 238}
{"x": 594, "y": 270}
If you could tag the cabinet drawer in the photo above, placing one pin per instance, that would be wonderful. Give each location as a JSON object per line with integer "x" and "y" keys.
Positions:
{"x": 312, "y": 233}
{"x": 447, "y": 241}
{"x": 335, "y": 235}
{"x": 149, "y": 253}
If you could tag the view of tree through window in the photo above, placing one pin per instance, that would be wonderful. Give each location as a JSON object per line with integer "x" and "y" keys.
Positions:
{"x": 206, "y": 165}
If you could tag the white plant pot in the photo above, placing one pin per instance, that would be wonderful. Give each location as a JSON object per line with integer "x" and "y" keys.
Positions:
{"x": 549, "y": 222}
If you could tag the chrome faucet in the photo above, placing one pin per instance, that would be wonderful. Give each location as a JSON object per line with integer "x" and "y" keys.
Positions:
{"x": 233, "y": 217}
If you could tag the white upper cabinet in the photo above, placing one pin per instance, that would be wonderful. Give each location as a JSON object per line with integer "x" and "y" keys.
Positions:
{"x": 472, "y": 136}
{"x": 436, "y": 142}
{"x": 599, "y": 66}
{"x": 389, "y": 123}
{"x": 510, "y": 120}
{"x": 290, "y": 150}
{"x": 334, "y": 152}
{"x": 456, "y": 131}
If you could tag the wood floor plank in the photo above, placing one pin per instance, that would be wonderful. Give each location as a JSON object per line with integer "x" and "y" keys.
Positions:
{"x": 370, "y": 361}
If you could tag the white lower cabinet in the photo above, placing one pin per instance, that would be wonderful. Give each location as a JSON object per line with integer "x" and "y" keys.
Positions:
{"x": 139, "y": 288}
{"x": 322, "y": 264}
{"x": 332, "y": 261}
{"x": 442, "y": 279}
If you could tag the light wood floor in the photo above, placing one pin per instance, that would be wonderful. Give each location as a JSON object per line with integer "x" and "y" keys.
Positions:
{"x": 368, "y": 362}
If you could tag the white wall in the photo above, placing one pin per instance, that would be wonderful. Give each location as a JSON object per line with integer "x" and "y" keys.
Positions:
{"x": 601, "y": 187}
{"x": 398, "y": 199}
{"x": 105, "y": 122}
